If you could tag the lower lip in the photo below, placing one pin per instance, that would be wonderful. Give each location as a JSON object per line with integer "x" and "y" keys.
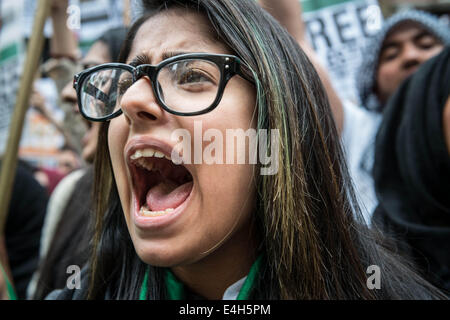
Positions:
{"x": 158, "y": 222}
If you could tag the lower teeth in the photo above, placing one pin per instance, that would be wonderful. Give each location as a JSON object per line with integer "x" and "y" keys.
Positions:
{"x": 146, "y": 212}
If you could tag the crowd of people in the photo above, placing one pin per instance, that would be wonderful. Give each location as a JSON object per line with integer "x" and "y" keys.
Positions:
{"x": 356, "y": 185}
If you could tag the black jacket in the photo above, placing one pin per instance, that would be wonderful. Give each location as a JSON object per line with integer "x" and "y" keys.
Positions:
{"x": 412, "y": 170}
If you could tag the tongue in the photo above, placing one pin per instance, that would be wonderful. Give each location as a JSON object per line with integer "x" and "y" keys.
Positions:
{"x": 167, "y": 195}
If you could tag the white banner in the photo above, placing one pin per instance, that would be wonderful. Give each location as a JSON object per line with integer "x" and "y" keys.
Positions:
{"x": 89, "y": 19}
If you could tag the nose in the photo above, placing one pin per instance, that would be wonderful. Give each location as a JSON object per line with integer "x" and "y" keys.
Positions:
{"x": 412, "y": 56}
{"x": 139, "y": 104}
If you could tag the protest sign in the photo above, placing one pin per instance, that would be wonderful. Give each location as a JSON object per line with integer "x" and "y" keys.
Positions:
{"x": 88, "y": 18}
{"x": 12, "y": 53}
{"x": 9, "y": 159}
{"x": 41, "y": 140}
{"x": 338, "y": 30}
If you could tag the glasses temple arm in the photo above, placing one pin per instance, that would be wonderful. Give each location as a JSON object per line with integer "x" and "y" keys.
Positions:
{"x": 245, "y": 72}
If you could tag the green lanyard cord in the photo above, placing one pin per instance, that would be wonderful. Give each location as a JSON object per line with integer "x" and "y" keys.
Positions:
{"x": 249, "y": 282}
{"x": 143, "y": 293}
{"x": 9, "y": 287}
{"x": 175, "y": 288}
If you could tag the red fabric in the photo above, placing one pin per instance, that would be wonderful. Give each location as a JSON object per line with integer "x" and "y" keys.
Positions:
{"x": 54, "y": 177}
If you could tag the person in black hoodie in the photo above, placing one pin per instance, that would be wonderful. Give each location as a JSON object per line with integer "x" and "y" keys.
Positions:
{"x": 412, "y": 169}
{"x": 24, "y": 226}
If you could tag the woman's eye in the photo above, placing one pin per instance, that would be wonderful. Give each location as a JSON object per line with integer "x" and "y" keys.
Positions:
{"x": 123, "y": 85}
{"x": 192, "y": 76}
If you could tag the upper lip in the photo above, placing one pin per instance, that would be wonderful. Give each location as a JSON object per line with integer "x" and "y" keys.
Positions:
{"x": 142, "y": 142}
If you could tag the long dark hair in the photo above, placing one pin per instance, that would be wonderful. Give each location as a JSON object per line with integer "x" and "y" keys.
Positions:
{"x": 70, "y": 242}
{"x": 315, "y": 243}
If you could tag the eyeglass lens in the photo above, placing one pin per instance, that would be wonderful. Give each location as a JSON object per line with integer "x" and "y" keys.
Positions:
{"x": 187, "y": 86}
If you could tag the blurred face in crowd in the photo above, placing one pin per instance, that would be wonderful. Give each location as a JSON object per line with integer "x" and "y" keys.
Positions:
{"x": 68, "y": 161}
{"x": 97, "y": 54}
{"x": 405, "y": 48}
{"x": 210, "y": 214}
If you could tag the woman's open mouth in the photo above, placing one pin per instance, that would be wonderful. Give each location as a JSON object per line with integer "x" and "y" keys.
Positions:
{"x": 159, "y": 185}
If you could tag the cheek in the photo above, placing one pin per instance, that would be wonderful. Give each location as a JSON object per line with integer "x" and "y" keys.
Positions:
{"x": 428, "y": 54}
{"x": 388, "y": 78}
{"x": 117, "y": 137}
{"x": 387, "y": 72}
{"x": 239, "y": 104}
{"x": 227, "y": 190}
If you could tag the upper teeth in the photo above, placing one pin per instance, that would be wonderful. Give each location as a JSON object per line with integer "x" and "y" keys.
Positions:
{"x": 148, "y": 152}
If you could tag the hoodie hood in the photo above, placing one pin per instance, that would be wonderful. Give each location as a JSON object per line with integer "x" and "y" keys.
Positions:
{"x": 366, "y": 74}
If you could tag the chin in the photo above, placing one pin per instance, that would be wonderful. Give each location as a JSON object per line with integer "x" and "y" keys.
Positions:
{"x": 164, "y": 256}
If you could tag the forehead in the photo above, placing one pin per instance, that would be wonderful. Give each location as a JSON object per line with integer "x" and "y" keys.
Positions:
{"x": 175, "y": 30}
{"x": 405, "y": 31}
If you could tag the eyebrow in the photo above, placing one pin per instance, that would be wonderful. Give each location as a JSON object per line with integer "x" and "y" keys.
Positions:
{"x": 140, "y": 59}
{"x": 170, "y": 54}
{"x": 145, "y": 59}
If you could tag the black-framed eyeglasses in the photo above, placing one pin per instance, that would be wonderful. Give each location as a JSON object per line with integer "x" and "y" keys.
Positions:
{"x": 186, "y": 85}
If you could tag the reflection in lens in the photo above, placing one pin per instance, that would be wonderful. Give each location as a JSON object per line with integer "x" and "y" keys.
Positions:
{"x": 101, "y": 91}
{"x": 189, "y": 85}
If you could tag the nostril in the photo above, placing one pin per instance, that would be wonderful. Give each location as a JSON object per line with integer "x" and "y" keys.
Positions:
{"x": 412, "y": 63}
{"x": 143, "y": 114}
